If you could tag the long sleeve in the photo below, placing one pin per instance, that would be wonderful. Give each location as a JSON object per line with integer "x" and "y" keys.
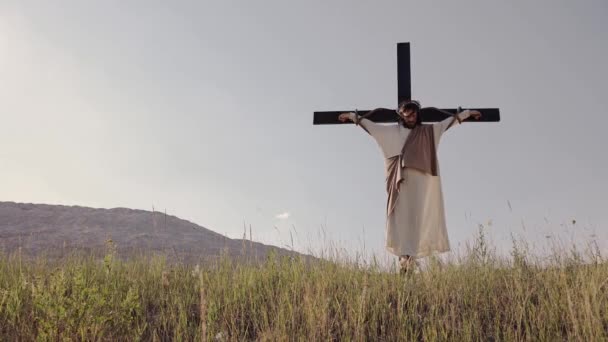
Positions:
{"x": 369, "y": 126}
{"x": 449, "y": 122}
{"x": 389, "y": 138}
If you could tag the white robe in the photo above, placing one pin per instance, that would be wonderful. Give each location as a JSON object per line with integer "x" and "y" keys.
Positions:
{"x": 417, "y": 226}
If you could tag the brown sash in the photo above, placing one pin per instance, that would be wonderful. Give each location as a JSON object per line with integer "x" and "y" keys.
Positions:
{"x": 419, "y": 153}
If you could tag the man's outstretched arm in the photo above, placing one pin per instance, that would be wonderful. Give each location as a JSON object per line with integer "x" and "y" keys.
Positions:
{"x": 368, "y": 125}
{"x": 456, "y": 119}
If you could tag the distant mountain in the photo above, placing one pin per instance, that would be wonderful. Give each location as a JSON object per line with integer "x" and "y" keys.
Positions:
{"x": 57, "y": 230}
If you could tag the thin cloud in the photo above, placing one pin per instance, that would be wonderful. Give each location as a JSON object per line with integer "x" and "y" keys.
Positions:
{"x": 283, "y": 216}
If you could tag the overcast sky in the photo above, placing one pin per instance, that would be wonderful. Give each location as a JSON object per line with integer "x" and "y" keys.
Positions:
{"x": 204, "y": 109}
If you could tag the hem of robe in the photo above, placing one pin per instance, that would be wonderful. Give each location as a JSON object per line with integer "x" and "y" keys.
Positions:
{"x": 418, "y": 254}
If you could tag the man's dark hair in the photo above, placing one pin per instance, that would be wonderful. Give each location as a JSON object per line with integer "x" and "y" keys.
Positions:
{"x": 410, "y": 104}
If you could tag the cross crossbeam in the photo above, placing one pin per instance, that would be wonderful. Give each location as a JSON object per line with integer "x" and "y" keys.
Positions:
{"x": 404, "y": 92}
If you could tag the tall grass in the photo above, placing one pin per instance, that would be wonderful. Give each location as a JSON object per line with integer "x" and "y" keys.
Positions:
{"x": 477, "y": 297}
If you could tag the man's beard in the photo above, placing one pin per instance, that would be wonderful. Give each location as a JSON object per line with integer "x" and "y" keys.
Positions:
{"x": 409, "y": 125}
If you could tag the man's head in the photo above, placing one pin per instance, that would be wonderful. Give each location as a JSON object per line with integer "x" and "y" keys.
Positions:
{"x": 409, "y": 113}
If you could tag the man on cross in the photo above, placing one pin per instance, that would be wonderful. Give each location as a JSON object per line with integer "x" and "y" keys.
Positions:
{"x": 415, "y": 216}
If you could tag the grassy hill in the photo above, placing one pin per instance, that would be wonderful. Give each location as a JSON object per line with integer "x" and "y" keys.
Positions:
{"x": 56, "y": 230}
{"x": 480, "y": 297}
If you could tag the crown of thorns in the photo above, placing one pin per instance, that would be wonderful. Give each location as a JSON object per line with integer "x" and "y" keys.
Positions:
{"x": 413, "y": 104}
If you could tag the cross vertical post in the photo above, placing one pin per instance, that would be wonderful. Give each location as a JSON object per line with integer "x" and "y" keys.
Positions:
{"x": 404, "y": 92}
{"x": 404, "y": 75}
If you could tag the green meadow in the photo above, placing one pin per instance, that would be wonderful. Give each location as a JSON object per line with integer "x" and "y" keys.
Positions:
{"x": 475, "y": 297}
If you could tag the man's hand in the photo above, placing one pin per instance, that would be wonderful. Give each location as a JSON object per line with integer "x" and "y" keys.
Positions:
{"x": 344, "y": 117}
{"x": 475, "y": 114}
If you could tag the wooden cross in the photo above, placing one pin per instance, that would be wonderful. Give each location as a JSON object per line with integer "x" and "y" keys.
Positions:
{"x": 404, "y": 91}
